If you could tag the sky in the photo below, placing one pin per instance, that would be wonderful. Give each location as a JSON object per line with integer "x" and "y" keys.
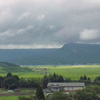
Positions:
{"x": 26, "y": 24}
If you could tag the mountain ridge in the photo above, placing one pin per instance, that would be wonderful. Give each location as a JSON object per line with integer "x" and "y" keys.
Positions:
{"x": 71, "y": 53}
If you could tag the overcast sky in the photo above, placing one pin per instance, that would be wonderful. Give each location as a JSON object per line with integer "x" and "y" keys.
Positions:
{"x": 48, "y": 23}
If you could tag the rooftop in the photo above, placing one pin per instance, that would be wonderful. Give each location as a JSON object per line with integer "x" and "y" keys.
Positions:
{"x": 82, "y": 84}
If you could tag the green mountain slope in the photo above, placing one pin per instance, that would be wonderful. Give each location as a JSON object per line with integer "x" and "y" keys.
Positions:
{"x": 72, "y": 53}
{"x": 9, "y": 67}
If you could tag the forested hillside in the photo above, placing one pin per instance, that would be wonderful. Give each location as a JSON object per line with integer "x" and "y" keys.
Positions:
{"x": 72, "y": 53}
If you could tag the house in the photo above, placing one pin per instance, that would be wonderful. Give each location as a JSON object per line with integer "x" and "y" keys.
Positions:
{"x": 65, "y": 86}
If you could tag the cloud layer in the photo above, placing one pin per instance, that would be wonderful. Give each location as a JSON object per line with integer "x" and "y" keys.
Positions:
{"x": 48, "y": 23}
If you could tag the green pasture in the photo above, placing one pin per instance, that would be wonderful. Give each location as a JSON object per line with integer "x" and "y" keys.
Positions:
{"x": 73, "y": 72}
{"x": 8, "y": 97}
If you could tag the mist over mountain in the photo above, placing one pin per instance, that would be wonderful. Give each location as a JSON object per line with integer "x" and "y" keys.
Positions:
{"x": 72, "y": 53}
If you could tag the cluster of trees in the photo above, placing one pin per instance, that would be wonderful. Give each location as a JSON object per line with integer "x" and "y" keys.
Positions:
{"x": 85, "y": 79}
{"x": 9, "y": 82}
{"x": 13, "y": 81}
{"x": 88, "y": 93}
{"x": 51, "y": 78}
{"x": 88, "y": 81}
{"x": 97, "y": 80}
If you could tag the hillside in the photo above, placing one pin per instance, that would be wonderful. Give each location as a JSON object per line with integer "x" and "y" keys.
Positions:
{"x": 9, "y": 67}
{"x": 72, "y": 53}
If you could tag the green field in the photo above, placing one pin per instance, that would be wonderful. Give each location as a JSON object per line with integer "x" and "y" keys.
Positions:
{"x": 73, "y": 72}
{"x": 9, "y": 98}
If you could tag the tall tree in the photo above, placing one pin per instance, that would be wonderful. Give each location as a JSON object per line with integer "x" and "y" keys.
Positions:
{"x": 39, "y": 93}
{"x": 45, "y": 81}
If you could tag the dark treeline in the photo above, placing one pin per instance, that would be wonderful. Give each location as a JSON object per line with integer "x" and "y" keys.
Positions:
{"x": 59, "y": 78}
{"x": 13, "y": 81}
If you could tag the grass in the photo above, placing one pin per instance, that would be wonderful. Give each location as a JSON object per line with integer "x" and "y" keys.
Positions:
{"x": 8, "y": 97}
{"x": 73, "y": 72}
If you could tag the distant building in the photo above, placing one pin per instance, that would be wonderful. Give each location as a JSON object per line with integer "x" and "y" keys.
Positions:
{"x": 65, "y": 86}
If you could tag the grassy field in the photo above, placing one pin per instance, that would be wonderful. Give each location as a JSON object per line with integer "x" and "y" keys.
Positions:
{"x": 73, "y": 72}
{"x": 9, "y": 98}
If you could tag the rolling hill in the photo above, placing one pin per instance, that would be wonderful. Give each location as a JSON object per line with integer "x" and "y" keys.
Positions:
{"x": 13, "y": 68}
{"x": 72, "y": 53}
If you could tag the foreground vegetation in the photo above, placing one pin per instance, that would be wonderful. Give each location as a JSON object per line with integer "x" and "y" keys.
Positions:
{"x": 90, "y": 74}
{"x": 8, "y": 82}
{"x": 88, "y": 93}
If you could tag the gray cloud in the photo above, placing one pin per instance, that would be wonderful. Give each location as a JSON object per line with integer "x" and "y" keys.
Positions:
{"x": 40, "y": 23}
{"x": 89, "y": 34}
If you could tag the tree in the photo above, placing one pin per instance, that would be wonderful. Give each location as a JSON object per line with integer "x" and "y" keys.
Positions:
{"x": 45, "y": 81}
{"x": 24, "y": 83}
{"x": 68, "y": 80}
{"x": 60, "y": 96}
{"x": 55, "y": 78}
{"x": 81, "y": 78}
{"x": 10, "y": 81}
{"x": 97, "y": 78}
{"x": 1, "y": 81}
{"x": 9, "y": 75}
{"x": 86, "y": 94}
{"x": 84, "y": 78}
{"x": 61, "y": 79}
{"x": 39, "y": 93}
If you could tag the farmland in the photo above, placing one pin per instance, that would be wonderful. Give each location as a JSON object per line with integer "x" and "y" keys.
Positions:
{"x": 73, "y": 72}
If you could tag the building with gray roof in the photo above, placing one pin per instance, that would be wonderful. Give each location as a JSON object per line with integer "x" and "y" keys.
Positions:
{"x": 66, "y": 86}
